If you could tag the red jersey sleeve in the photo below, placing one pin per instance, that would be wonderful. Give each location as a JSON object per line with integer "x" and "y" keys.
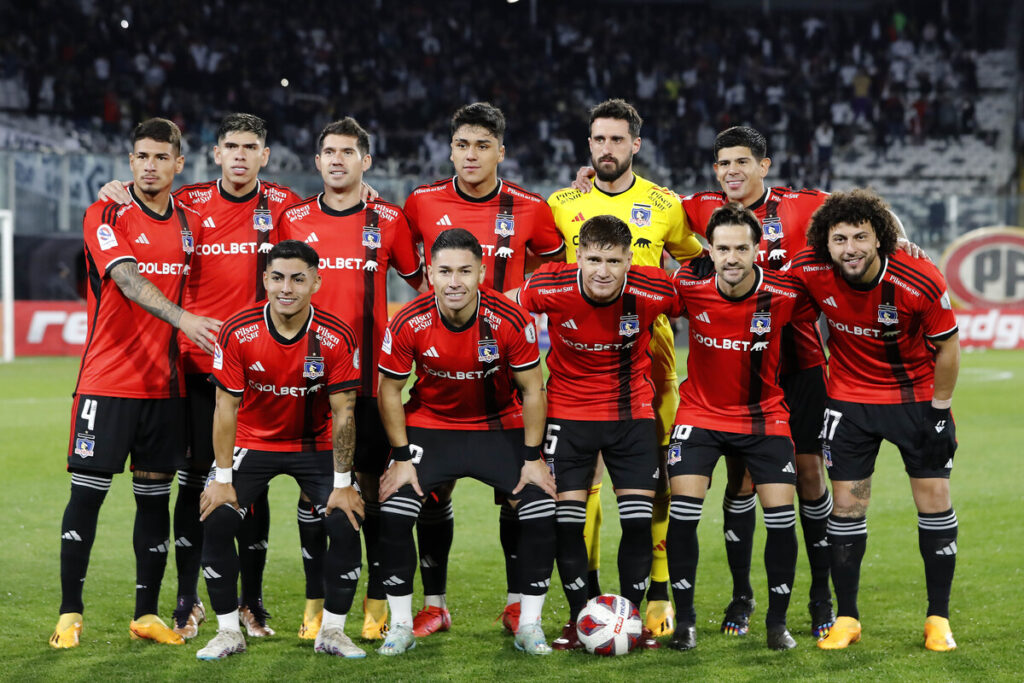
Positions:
{"x": 106, "y": 241}
{"x": 404, "y": 256}
{"x": 339, "y": 345}
{"x": 396, "y": 351}
{"x": 527, "y": 296}
{"x": 412, "y": 214}
{"x": 523, "y": 352}
{"x": 937, "y": 319}
{"x": 228, "y": 369}
{"x": 545, "y": 240}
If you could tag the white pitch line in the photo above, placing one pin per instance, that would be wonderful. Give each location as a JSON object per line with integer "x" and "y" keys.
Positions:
{"x": 987, "y": 374}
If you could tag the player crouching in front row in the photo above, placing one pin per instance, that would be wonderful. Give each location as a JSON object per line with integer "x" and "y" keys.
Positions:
{"x": 473, "y": 348}
{"x": 286, "y": 377}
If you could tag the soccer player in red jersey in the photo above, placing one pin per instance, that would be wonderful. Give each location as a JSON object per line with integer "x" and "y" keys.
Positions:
{"x": 477, "y": 410}
{"x": 895, "y": 356}
{"x": 128, "y": 398}
{"x": 601, "y": 312}
{"x": 509, "y": 222}
{"x": 238, "y": 214}
{"x": 286, "y": 376}
{"x": 357, "y": 241}
{"x": 731, "y": 403}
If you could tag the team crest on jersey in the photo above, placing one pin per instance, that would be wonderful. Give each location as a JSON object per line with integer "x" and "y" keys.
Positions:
{"x": 640, "y": 215}
{"x": 675, "y": 453}
{"x": 262, "y": 220}
{"x": 761, "y": 323}
{"x": 487, "y": 351}
{"x": 887, "y": 314}
{"x": 629, "y": 325}
{"x": 371, "y": 237}
{"x": 313, "y": 367}
{"x": 504, "y": 225}
{"x": 188, "y": 242}
{"x": 771, "y": 227}
{"x": 85, "y": 445}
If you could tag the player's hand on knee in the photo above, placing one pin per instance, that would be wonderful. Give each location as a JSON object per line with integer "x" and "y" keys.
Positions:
{"x": 400, "y": 473}
{"x": 201, "y": 330}
{"x": 536, "y": 472}
{"x": 938, "y": 436}
{"x": 115, "y": 191}
{"x": 583, "y": 176}
{"x": 349, "y": 501}
{"x": 214, "y": 495}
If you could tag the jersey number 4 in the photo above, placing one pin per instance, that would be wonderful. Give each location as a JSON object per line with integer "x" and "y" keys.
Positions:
{"x": 89, "y": 413}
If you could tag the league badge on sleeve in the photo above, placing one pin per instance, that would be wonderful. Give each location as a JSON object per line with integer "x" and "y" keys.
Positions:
{"x": 313, "y": 367}
{"x": 675, "y": 453}
{"x": 504, "y": 225}
{"x": 640, "y": 215}
{"x": 371, "y": 237}
{"x": 218, "y": 357}
{"x": 771, "y": 227}
{"x": 385, "y": 345}
{"x": 629, "y": 325}
{"x": 531, "y": 333}
{"x": 85, "y": 445}
{"x": 887, "y": 315}
{"x": 487, "y": 351}
{"x": 106, "y": 238}
{"x": 761, "y": 323}
{"x": 262, "y": 220}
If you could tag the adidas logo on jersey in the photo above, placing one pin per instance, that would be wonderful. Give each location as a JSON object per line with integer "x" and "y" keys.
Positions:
{"x": 444, "y": 220}
{"x": 788, "y": 469}
{"x": 703, "y": 317}
{"x": 257, "y": 367}
{"x": 142, "y": 239}
{"x": 949, "y": 464}
{"x": 682, "y": 584}
{"x": 578, "y": 218}
{"x": 70, "y": 535}
{"x": 208, "y": 222}
{"x": 948, "y": 550}
{"x": 312, "y": 238}
{"x": 431, "y": 353}
{"x": 831, "y": 301}
{"x": 781, "y": 590}
{"x": 571, "y": 324}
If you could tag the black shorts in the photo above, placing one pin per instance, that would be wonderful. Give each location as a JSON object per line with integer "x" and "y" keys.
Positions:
{"x": 442, "y": 455}
{"x": 202, "y": 400}
{"x": 253, "y": 470}
{"x": 805, "y": 395}
{"x": 853, "y": 433}
{"x": 630, "y": 449}
{"x": 372, "y": 445}
{"x": 105, "y": 430}
{"x": 769, "y": 459}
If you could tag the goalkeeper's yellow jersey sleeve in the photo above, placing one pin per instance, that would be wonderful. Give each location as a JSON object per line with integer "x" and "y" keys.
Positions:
{"x": 654, "y": 215}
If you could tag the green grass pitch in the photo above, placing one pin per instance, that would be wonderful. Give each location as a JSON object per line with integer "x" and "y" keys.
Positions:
{"x": 988, "y": 595}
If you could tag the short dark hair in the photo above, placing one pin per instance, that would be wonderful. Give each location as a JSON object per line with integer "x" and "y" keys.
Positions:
{"x": 604, "y": 232}
{"x": 346, "y": 126}
{"x": 742, "y": 136}
{"x": 161, "y": 130}
{"x": 287, "y": 249}
{"x": 733, "y": 213}
{"x": 618, "y": 109}
{"x": 457, "y": 238}
{"x": 242, "y": 123}
{"x": 854, "y": 207}
{"x": 481, "y": 114}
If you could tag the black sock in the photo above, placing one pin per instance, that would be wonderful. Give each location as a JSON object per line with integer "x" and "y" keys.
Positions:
{"x": 536, "y": 542}
{"x": 151, "y": 540}
{"x": 635, "y": 547}
{"x": 342, "y": 564}
{"x": 593, "y": 581}
{"x": 252, "y": 549}
{"x": 508, "y": 531}
{"x": 847, "y": 538}
{"x": 780, "y": 549}
{"x": 657, "y": 591}
{"x": 814, "y": 521}
{"x": 313, "y": 541}
{"x": 77, "y": 533}
{"x": 571, "y": 552}
{"x": 683, "y": 551}
{"x": 188, "y": 534}
{"x": 220, "y": 558}
{"x": 739, "y": 516}
{"x": 397, "y": 551}
{"x": 371, "y": 538}
{"x": 936, "y": 537}
{"x": 435, "y": 530}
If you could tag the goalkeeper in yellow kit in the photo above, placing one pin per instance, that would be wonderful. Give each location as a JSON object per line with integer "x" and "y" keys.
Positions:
{"x": 656, "y": 219}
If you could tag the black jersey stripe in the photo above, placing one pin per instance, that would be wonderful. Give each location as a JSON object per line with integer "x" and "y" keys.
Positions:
{"x": 755, "y": 382}
{"x": 309, "y": 400}
{"x": 916, "y": 278}
{"x": 238, "y": 320}
{"x": 96, "y": 285}
{"x": 492, "y": 414}
{"x": 262, "y": 237}
{"x": 369, "y": 298}
{"x": 652, "y": 285}
{"x": 412, "y": 309}
{"x": 173, "y": 350}
{"x": 507, "y": 309}
{"x": 548, "y": 279}
{"x": 506, "y": 205}
{"x": 625, "y": 368}
{"x": 892, "y": 349}
{"x": 520, "y": 188}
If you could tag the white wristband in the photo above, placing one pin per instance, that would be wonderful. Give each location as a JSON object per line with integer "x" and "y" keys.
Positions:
{"x": 342, "y": 480}
{"x": 941, "y": 404}
{"x": 223, "y": 475}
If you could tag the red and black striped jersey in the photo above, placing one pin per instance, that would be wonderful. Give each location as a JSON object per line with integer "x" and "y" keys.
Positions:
{"x": 879, "y": 332}
{"x": 285, "y": 384}
{"x": 463, "y": 375}
{"x": 130, "y": 353}
{"x": 600, "y": 362}
{"x": 732, "y": 382}
{"x": 785, "y": 215}
{"x": 506, "y": 222}
{"x": 356, "y": 247}
{"x": 227, "y": 269}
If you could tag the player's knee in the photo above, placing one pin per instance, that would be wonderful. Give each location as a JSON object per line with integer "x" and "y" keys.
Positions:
{"x": 339, "y": 528}
{"x": 152, "y": 476}
{"x": 535, "y": 504}
{"x": 441, "y": 494}
{"x": 222, "y": 524}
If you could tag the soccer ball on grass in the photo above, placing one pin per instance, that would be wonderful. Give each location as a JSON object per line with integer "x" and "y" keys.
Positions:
{"x": 609, "y": 625}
